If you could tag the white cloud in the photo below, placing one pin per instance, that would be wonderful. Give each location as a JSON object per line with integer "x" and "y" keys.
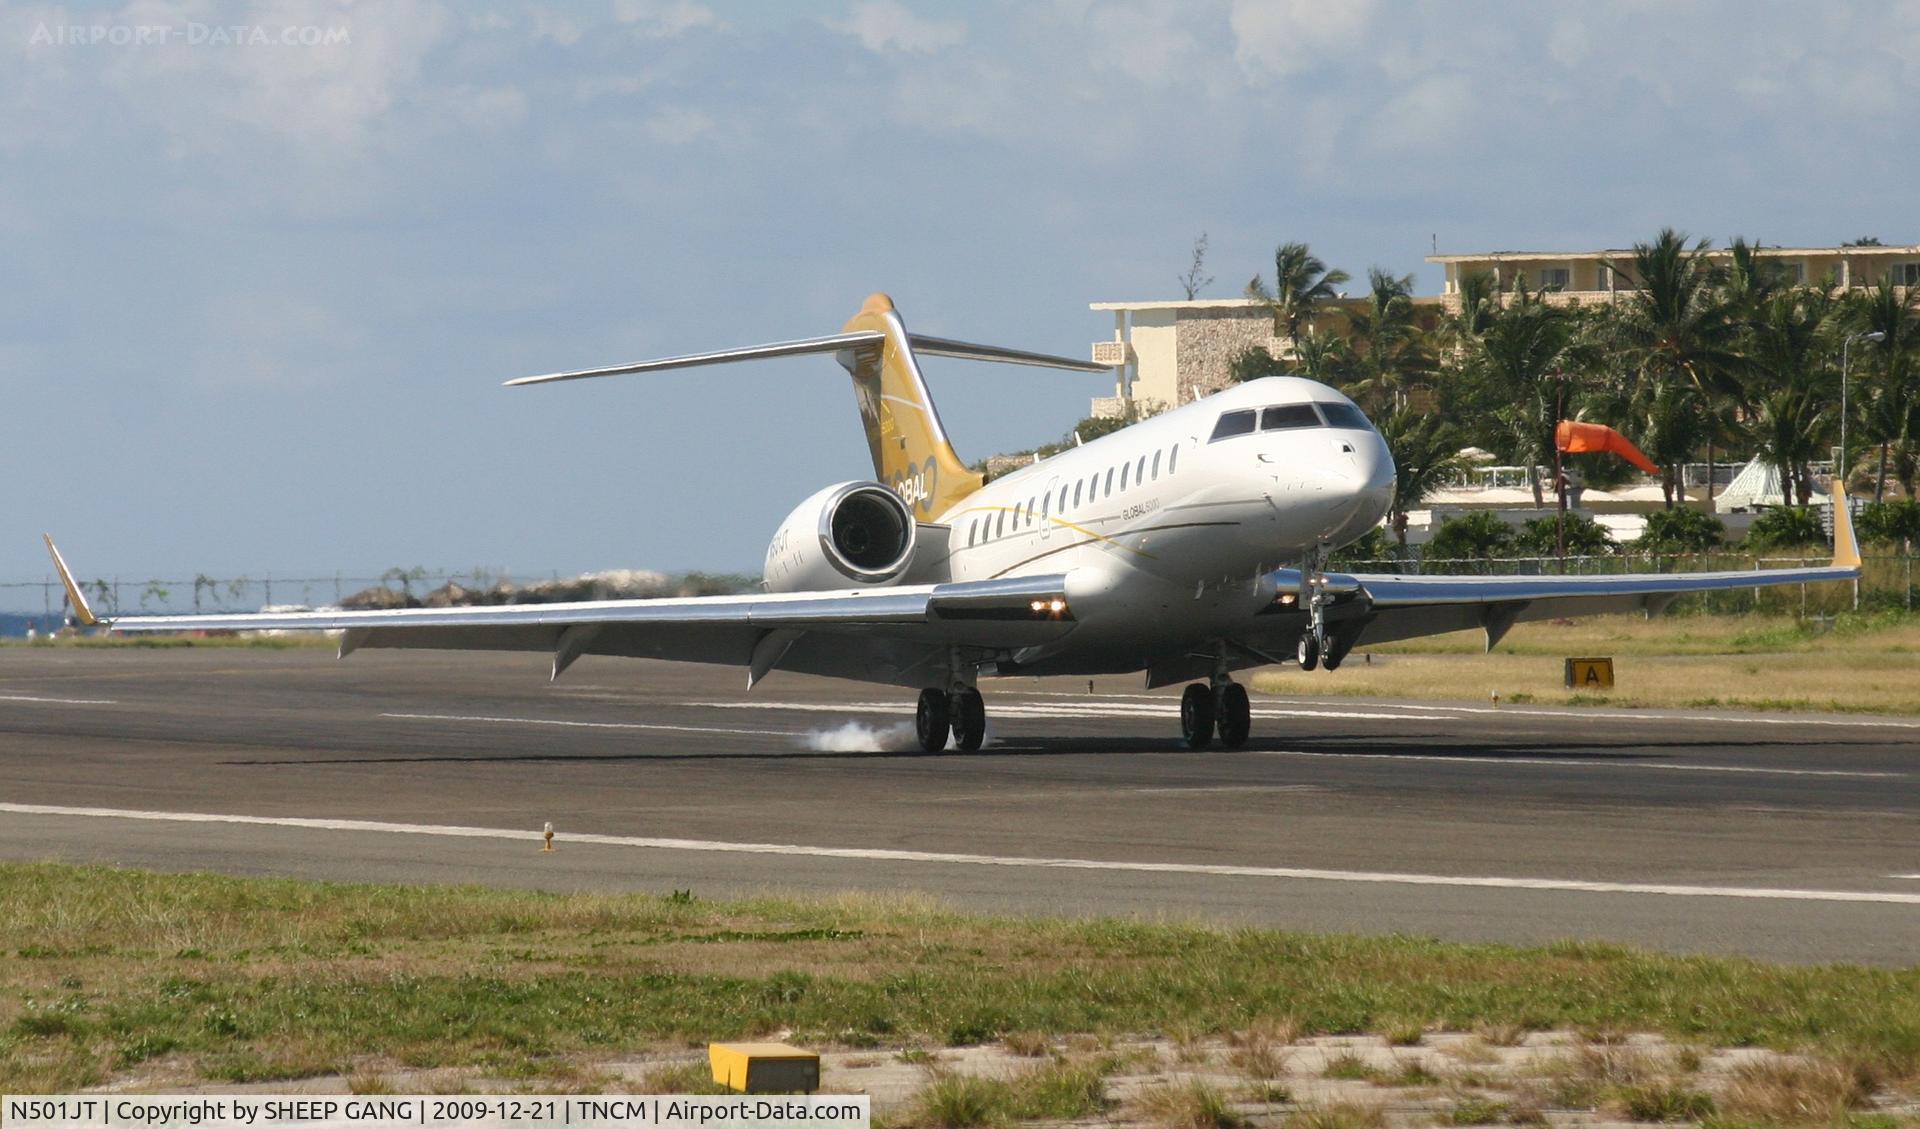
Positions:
{"x": 665, "y": 19}
{"x": 677, "y": 125}
{"x": 1275, "y": 38}
{"x": 1568, "y": 42}
{"x": 266, "y": 339}
{"x": 886, "y": 25}
{"x": 328, "y": 92}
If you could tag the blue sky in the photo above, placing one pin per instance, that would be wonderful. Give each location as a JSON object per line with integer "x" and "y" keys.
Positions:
{"x": 259, "y": 297}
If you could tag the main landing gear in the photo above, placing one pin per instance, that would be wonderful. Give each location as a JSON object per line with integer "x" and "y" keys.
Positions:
{"x": 1220, "y": 707}
{"x": 963, "y": 713}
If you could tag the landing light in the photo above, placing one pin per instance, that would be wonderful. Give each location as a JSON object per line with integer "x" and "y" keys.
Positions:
{"x": 1054, "y": 607}
{"x": 1288, "y": 598}
{"x": 1057, "y": 605}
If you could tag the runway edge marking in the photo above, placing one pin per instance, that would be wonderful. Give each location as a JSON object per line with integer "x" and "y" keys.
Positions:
{"x": 1039, "y": 863}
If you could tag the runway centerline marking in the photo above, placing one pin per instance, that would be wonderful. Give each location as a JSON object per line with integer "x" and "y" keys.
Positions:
{"x": 58, "y": 701}
{"x": 481, "y": 718}
{"x": 1582, "y": 762}
{"x": 359, "y": 826}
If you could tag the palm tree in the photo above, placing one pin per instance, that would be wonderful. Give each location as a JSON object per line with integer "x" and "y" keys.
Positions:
{"x": 1891, "y": 402}
{"x": 1301, "y": 281}
{"x": 1390, "y": 347}
{"x": 1792, "y": 348}
{"x": 1679, "y": 337}
{"x": 1426, "y": 455}
{"x": 1519, "y": 361}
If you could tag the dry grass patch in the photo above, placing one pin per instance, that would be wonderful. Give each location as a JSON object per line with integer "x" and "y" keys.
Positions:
{"x": 1187, "y": 1104}
{"x": 1260, "y": 1052}
{"x": 1338, "y": 1115}
{"x": 1027, "y": 1044}
{"x": 1350, "y": 1067}
{"x": 1868, "y": 662}
{"x": 1793, "y": 1091}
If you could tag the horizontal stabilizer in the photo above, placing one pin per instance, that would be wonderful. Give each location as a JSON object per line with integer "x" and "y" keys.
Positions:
{"x": 832, "y": 343}
{"x": 967, "y": 351}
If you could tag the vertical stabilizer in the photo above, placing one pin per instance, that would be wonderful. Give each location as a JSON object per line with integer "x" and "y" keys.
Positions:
{"x": 911, "y": 453}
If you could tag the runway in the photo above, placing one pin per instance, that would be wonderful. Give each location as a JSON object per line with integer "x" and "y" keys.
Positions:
{"x": 1779, "y": 836}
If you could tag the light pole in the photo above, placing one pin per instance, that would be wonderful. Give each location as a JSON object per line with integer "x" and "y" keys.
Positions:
{"x": 1875, "y": 336}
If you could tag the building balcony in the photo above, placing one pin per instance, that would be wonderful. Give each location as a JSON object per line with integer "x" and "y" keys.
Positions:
{"x": 1112, "y": 353}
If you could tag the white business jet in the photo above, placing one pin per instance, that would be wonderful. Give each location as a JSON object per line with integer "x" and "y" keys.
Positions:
{"x": 1163, "y": 547}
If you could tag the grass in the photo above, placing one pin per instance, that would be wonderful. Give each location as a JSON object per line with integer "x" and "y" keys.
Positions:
{"x": 1057, "y": 1091}
{"x": 1859, "y": 663}
{"x": 1188, "y": 1104}
{"x": 119, "y": 974}
{"x": 177, "y": 642}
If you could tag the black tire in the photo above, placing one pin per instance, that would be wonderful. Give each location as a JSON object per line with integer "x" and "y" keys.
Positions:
{"x": 1196, "y": 716}
{"x": 930, "y": 720}
{"x": 1233, "y": 715}
{"x": 969, "y": 720}
{"x": 1309, "y": 652}
{"x": 1333, "y": 658}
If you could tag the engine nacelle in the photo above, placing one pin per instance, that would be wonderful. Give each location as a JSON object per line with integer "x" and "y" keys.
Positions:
{"x": 853, "y": 534}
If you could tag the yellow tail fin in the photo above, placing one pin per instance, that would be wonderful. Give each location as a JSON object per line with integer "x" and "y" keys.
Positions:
{"x": 911, "y": 453}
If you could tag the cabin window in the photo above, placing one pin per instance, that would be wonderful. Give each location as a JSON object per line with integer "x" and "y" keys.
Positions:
{"x": 1124, "y": 468}
{"x": 1078, "y": 488}
{"x": 1173, "y": 459}
{"x": 1063, "y": 500}
{"x": 973, "y": 532}
{"x": 1345, "y": 416}
{"x": 1156, "y": 466}
{"x": 1140, "y": 472}
{"x": 1046, "y": 503}
{"x": 1287, "y": 417}
{"x": 1108, "y": 492}
{"x": 1001, "y": 525}
{"x": 1233, "y": 423}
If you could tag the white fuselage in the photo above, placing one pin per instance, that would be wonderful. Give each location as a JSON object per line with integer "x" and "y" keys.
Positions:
{"x": 1167, "y": 530}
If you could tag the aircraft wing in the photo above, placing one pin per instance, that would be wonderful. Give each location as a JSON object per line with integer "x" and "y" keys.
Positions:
{"x": 1383, "y": 607}
{"x": 1391, "y": 607}
{"x": 901, "y": 627}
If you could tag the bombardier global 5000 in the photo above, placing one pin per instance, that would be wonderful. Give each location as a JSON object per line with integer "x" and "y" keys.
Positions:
{"x": 1189, "y": 545}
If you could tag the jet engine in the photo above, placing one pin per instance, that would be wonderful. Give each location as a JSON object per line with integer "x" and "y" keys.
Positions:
{"x": 853, "y": 534}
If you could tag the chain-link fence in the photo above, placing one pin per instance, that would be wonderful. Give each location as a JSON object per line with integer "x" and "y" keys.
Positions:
{"x": 40, "y": 605}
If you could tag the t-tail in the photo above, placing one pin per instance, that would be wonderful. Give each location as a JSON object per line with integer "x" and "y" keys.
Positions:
{"x": 910, "y": 448}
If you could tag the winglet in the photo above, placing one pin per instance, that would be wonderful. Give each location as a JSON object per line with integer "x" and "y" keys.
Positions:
{"x": 82, "y": 611}
{"x": 1846, "y": 549}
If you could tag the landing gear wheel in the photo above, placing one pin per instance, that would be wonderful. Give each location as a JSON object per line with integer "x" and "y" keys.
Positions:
{"x": 1333, "y": 658}
{"x": 1196, "y": 715}
{"x": 1309, "y": 654}
{"x": 1234, "y": 715}
{"x": 969, "y": 719}
{"x": 930, "y": 720}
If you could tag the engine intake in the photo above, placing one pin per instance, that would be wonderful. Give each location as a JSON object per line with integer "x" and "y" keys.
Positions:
{"x": 852, "y": 533}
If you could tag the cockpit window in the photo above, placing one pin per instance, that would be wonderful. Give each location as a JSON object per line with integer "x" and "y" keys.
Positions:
{"x": 1286, "y": 417}
{"x": 1344, "y": 416}
{"x": 1233, "y": 423}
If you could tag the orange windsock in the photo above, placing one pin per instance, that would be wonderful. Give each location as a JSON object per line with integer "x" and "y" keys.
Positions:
{"x": 1578, "y": 438}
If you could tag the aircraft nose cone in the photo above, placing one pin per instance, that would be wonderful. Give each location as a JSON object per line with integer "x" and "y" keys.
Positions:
{"x": 1367, "y": 479}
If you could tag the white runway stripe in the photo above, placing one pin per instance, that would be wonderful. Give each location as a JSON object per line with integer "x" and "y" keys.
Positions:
{"x": 359, "y": 826}
{"x": 479, "y": 718}
{"x": 1581, "y": 762}
{"x": 58, "y": 701}
{"x": 1569, "y": 712}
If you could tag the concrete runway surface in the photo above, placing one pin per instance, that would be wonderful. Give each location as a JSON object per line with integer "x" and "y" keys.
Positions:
{"x": 1793, "y": 837}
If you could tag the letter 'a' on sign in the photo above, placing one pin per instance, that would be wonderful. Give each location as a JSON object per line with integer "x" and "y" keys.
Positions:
{"x": 1590, "y": 674}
